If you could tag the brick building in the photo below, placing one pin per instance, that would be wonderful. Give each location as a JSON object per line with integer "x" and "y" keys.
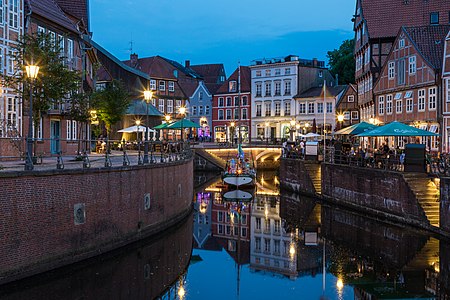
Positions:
{"x": 408, "y": 88}
{"x": 347, "y": 105}
{"x": 446, "y": 97}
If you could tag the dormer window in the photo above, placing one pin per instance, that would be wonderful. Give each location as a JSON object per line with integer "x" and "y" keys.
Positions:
{"x": 232, "y": 86}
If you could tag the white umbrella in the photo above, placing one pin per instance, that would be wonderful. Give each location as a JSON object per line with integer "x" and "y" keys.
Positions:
{"x": 136, "y": 128}
{"x": 311, "y": 134}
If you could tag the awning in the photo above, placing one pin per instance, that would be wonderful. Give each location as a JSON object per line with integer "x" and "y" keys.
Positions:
{"x": 397, "y": 129}
{"x": 184, "y": 123}
{"x": 136, "y": 128}
{"x": 356, "y": 129}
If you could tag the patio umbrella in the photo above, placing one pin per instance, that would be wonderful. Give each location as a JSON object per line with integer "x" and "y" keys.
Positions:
{"x": 397, "y": 129}
{"x": 311, "y": 134}
{"x": 162, "y": 126}
{"x": 356, "y": 128}
{"x": 135, "y": 128}
{"x": 184, "y": 123}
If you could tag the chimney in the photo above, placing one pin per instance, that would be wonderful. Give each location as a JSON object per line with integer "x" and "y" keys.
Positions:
{"x": 133, "y": 59}
{"x": 337, "y": 79}
{"x": 314, "y": 62}
{"x": 187, "y": 63}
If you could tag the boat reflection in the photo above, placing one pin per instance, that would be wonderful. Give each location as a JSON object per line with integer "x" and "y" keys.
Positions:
{"x": 150, "y": 269}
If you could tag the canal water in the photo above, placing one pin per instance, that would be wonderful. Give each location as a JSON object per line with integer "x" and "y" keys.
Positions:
{"x": 279, "y": 245}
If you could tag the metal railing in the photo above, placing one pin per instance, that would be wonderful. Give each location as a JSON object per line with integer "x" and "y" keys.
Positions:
{"x": 93, "y": 153}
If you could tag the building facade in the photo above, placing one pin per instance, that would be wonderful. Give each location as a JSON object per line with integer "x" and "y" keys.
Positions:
{"x": 229, "y": 113}
{"x": 347, "y": 106}
{"x": 446, "y": 96}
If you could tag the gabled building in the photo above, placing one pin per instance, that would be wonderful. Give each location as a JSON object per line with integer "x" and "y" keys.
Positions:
{"x": 409, "y": 83}
{"x": 232, "y": 107}
{"x": 57, "y": 132}
{"x": 313, "y": 112}
{"x": 165, "y": 83}
{"x": 376, "y": 24}
{"x": 347, "y": 106}
{"x": 445, "y": 140}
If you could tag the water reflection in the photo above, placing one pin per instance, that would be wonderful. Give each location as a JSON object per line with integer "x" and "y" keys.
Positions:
{"x": 282, "y": 242}
{"x": 148, "y": 270}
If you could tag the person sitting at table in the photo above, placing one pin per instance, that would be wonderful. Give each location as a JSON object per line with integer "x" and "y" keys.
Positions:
{"x": 385, "y": 149}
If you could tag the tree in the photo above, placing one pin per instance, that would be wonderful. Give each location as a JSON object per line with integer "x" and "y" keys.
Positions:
{"x": 111, "y": 103}
{"x": 55, "y": 82}
{"x": 342, "y": 62}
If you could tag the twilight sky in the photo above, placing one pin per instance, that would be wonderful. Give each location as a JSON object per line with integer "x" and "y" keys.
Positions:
{"x": 211, "y": 31}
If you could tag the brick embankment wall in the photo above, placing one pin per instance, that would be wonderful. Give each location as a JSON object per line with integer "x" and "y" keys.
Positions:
{"x": 144, "y": 270}
{"x": 53, "y": 218}
{"x": 294, "y": 176}
{"x": 444, "y": 211}
{"x": 378, "y": 192}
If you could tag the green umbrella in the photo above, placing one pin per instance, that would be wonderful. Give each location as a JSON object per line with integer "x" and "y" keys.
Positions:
{"x": 397, "y": 129}
{"x": 356, "y": 128}
{"x": 161, "y": 126}
{"x": 184, "y": 123}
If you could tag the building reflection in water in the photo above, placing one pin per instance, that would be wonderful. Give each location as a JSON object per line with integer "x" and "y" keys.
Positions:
{"x": 294, "y": 236}
{"x": 147, "y": 270}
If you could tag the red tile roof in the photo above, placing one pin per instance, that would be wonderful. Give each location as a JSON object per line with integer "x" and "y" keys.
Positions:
{"x": 155, "y": 66}
{"x": 211, "y": 74}
{"x": 77, "y": 8}
{"x": 429, "y": 41}
{"x": 49, "y": 10}
{"x": 385, "y": 17}
{"x": 245, "y": 81}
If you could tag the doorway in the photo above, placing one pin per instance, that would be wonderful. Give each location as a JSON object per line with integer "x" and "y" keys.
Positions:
{"x": 55, "y": 134}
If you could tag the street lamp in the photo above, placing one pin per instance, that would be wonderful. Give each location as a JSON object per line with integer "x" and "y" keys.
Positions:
{"x": 182, "y": 111}
{"x": 138, "y": 122}
{"x": 232, "y": 124}
{"x": 340, "y": 119}
{"x": 147, "y": 97}
{"x": 291, "y": 131}
{"x": 32, "y": 72}
{"x": 297, "y": 127}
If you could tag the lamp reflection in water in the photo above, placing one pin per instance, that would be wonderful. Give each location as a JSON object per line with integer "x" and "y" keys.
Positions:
{"x": 340, "y": 287}
{"x": 181, "y": 291}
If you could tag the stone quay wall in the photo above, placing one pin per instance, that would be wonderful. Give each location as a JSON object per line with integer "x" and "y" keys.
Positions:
{"x": 295, "y": 177}
{"x": 444, "y": 210}
{"x": 379, "y": 192}
{"x": 53, "y": 218}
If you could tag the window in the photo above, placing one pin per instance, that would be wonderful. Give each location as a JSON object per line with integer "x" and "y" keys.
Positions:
{"x": 220, "y": 216}
{"x": 268, "y": 90}
{"x": 258, "y": 223}
{"x": 302, "y": 108}
{"x": 2, "y": 62}
{"x": 346, "y": 115}
{"x": 244, "y": 101}
{"x": 220, "y": 102}
{"x": 277, "y": 226}
{"x": 268, "y": 108}
{"x": 236, "y": 101}
{"x": 1, "y": 12}
{"x": 391, "y": 70}
{"x": 267, "y": 73}
{"x": 421, "y": 100}
{"x": 257, "y": 244}
{"x": 389, "y": 104}
{"x": 229, "y": 101}
{"x": 401, "y": 72}
{"x": 320, "y": 73}
{"x": 232, "y": 86}
{"x": 70, "y": 52}
{"x": 244, "y": 219}
{"x": 12, "y": 111}
{"x": 244, "y": 114}
{"x": 276, "y": 246}
{"x": 228, "y": 114}
{"x": 401, "y": 43}
{"x": 412, "y": 65}
{"x": 287, "y": 108}
{"x": 448, "y": 90}
{"x": 207, "y": 110}
{"x": 350, "y": 98}
{"x": 170, "y": 106}
{"x": 432, "y": 98}
{"x": 320, "y": 108}
{"x": 287, "y": 71}
{"x": 258, "y": 110}
{"x": 161, "y": 105}
{"x": 287, "y": 87}
{"x": 172, "y": 86}
{"x": 13, "y": 13}
{"x": 220, "y": 114}
{"x": 258, "y": 89}
{"x": 381, "y": 105}
{"x": 11, "y": 61}
{"x": 398, "y": 96}
{"x": 162, "y": 85}
{"x": 409, "y": 105}
{"x": 329, "y": 107}
{"x": 310, "y": 107}
{"x": 178, "y": 105}
{"x": 258, "y": 73}
{"x": 398, "y": 106}
{"x": 236, "y": 113}
{"x": 61, "y": 44}
{"x": 277, "y": 108}
{"x": 220, "y": 229}
{"x": 277, "y": 88}
{"x": 355, "y": 115}
{"x": 434, "y": 18}
{"x": 277, "y": 71}
{"x": 267, "y": 245}
{"x": 153, "y": 84}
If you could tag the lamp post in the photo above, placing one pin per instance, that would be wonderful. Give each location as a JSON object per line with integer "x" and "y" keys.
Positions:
{"x": 232, "y": 124}
{"x": 32, "y": 72}
{"x": 182, "y": 112}
{"x": 147, "y": 97}
{"x": 291, "y": 131}
{"x": 138, "y": 122}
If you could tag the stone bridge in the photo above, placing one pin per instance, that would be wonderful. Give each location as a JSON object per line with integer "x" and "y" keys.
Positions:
{"x": 263, "y": 157}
